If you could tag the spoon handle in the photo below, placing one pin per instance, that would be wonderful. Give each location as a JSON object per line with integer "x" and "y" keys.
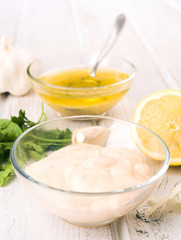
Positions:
{"x": 111, "y": 40}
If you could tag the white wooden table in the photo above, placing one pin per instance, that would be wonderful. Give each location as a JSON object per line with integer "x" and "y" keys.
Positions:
{"x": 151, "y": 40}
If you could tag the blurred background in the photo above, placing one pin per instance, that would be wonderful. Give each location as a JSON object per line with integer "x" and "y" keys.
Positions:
{"x": 151, "y": 38}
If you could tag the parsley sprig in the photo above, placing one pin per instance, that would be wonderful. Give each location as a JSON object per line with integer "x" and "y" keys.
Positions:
{"x": 35, "y": 144}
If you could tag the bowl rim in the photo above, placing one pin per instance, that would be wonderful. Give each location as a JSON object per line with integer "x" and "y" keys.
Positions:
{"x": 131, "y": 76}
{"x": 155, "y": 177}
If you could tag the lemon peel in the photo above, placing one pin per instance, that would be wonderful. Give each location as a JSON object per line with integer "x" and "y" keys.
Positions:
{"x": 161, "y": 113}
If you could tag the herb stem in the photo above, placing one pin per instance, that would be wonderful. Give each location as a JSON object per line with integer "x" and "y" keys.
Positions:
{"x": 42, "y": 114}
{"x": 49, "y": 140}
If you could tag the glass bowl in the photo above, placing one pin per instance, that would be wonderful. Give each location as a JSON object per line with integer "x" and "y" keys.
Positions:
{"x": 90, "y": 209}
{"x": 67, "y": 100}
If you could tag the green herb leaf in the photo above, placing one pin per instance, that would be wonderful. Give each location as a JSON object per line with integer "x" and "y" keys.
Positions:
{"x": 39, "y": 141}
{"x": 36, "y": 155}
{"x": 24, "y": 123}
{"x": 5, "y": 173}
{"x": 9, "y": 131}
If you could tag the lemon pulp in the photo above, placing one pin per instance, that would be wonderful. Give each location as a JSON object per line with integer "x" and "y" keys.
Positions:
{"x": 161, "y": 112}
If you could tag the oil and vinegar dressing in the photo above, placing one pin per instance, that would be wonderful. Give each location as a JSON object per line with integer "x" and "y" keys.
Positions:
{"x": 87, "y": 95}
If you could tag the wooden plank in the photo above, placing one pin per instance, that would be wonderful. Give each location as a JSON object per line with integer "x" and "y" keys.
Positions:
{"x": 168, "y": 226}
{"x": 159, "y": 35}
{"x": 10, "y": 15}
{"x": 175, "y": 4}
{"x": 149, "y": 68}
{"x": 9, "y": 21}
{"x": 128, "y": 46}
{"x": 119, "y": 229}
{"x": 150, "y": 40}
{"x": 23, "y": 217}
{"x": 160, "y": 226}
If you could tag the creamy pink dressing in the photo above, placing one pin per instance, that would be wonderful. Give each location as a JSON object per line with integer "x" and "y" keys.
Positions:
{"x": 91, "y": 168}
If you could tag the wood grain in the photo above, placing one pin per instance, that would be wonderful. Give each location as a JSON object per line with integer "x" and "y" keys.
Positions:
{"x": 151, "y": 40}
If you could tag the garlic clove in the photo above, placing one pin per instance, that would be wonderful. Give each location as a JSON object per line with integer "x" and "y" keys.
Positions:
{"x": 21, "y": 82}
{"x": 93, "y": 135}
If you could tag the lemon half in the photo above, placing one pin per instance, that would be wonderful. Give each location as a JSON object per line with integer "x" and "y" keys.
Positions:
{"x": 161, "y": 113}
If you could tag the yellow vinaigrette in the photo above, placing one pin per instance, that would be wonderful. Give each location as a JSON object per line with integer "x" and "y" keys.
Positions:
{"x": 78, "y": 93}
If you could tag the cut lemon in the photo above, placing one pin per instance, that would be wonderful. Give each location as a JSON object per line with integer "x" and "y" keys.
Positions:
{"x": 161, "y": 113}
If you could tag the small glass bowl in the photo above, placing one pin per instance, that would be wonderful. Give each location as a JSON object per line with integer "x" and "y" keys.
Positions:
{"x": 92, "y": 209}
{"x": 68, "y": 101}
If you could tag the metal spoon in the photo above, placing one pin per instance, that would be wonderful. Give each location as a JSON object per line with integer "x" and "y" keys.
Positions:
{"x": 110, "y": 42}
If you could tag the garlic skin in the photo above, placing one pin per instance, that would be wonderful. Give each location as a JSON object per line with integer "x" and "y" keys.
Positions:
{"x": 93, "y": 135}
{"x": 166, "y": 203}
{"x": 13, "y": 67}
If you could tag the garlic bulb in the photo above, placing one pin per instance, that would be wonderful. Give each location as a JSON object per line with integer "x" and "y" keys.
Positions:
{"x": 94, "y": 135}
{"x": 13, "y": 66}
